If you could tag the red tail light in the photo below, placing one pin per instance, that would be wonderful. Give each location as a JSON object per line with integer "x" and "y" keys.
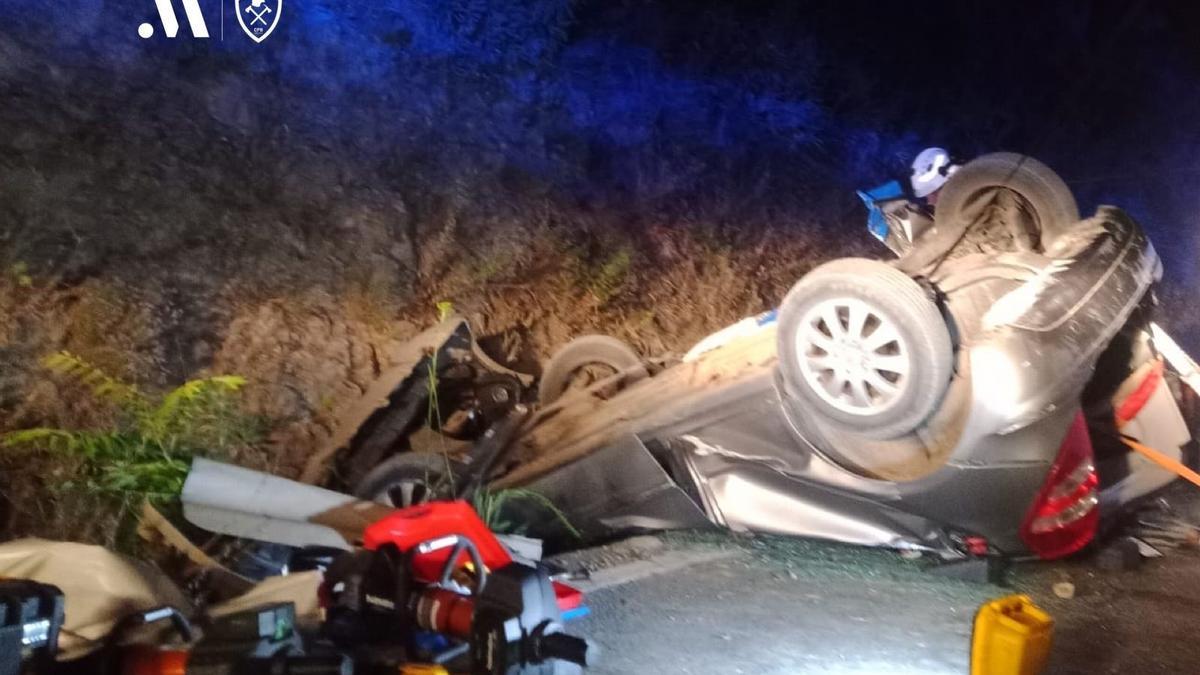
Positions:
{"x": 1064, "y": 516}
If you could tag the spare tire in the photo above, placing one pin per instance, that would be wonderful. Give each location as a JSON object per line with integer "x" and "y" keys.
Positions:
{"x": 1049, "y": 202}
{"x": 864, "y": 347}
{"x": 588, "y": 350}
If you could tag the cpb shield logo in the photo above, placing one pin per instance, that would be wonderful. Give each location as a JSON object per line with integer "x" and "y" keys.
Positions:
{"x": 258, "y": 18}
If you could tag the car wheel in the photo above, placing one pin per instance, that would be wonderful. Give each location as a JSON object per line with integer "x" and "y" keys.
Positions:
{"x": 411, "y": 478}
{"x": 864, "y": 346}
{"x": 1045, "y": 205}
{"x": 588, "y": 357}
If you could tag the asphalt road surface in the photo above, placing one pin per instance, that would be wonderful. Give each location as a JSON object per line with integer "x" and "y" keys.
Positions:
{"x": 716, "y": 603}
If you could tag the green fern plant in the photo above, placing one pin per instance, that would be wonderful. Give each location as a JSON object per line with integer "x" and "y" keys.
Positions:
{"x": 490, "y": 505}
{"x": 147, "y": 451}
{"x": 19, "y": 271}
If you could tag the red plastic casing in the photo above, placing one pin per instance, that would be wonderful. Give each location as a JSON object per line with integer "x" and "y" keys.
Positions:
{"x": 407, "y": 528}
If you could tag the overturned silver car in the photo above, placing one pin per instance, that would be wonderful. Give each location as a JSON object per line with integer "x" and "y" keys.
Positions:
{"x": 973, "y": 394}
{"x": 976, "y": 388}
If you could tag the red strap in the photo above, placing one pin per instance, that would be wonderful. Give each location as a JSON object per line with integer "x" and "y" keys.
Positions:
{"x": 1137, "y": 399}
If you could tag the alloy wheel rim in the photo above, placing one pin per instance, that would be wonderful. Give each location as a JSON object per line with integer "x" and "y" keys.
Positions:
{"x": 404, "y": 493}
{"x": 853, "y": 356}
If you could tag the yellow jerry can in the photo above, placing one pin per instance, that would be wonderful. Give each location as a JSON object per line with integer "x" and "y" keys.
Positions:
{"x": 422, "y": 669}
{"x": 1012, "y": 637}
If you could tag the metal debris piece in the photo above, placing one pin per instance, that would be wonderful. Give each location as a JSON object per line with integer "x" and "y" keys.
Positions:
{"x": 1160, "y": 527}
{"x": 1145, "y": 549}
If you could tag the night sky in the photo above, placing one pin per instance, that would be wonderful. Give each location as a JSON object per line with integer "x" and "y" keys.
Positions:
{"x": 636, "y": 105}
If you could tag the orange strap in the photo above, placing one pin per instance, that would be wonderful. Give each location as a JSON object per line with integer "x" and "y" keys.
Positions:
{"x": 1129, "y": 409}
{"x": 1173, "y": 465}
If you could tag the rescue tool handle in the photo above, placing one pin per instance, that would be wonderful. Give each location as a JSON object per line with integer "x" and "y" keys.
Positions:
{"x": 461, "y": 545}
{"x": 179, "y": 622}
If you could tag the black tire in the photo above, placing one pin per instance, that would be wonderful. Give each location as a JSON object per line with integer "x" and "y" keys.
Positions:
{"x": 258, "y": 560}
{"x": 883, "y": 302}
{"x": 587, "y": 350}
{"x": 1050, "y": 202}
{"x": 425, "y": 473}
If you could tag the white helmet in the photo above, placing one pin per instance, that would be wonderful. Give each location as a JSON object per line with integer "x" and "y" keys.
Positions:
{"x": 930, "y": 171}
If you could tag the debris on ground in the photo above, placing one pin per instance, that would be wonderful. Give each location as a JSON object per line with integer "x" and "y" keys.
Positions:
{"x": 1121, "y": 555}
{"x": 1064, "y": 590}
{"x": 1161, "y": 529}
